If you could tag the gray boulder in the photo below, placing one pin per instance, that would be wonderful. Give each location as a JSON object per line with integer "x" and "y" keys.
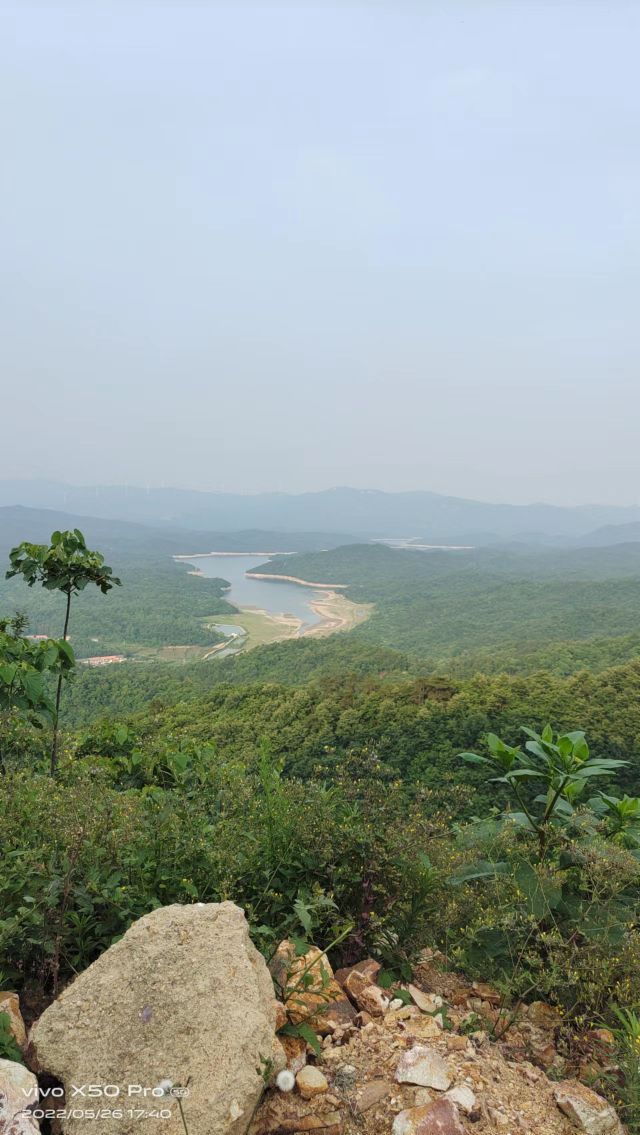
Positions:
{"x": 183, "y": 1001}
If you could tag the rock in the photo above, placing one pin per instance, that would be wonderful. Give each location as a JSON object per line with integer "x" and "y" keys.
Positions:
{"x": 309, "y": 990}
{"x": 463, "y": 1097}
{"x": 424, "y": 1067}
{"x": 18, "y": 1092}
{"x": 427, "y": 1002}
{"x": 457, "y": 1042}
{"x": 295, "y": 1052}
{"x": 396, "y": 1003}
{"x": 498, "y": 1118}
{"x": 372, "y": 1093}
{"x": 545, "y": 1055}
{"x": 10, "y": 1004}
{"x": 421, "y": 1097}
{"x": 361, "y": 1019}
{"x": 281, "y": 1016}
{"x": 285, "y": 1081}
{"x": 394, "y": 1017}
{"x": 487, "y": 992}
{"x": 311, "y": 1082}
{"x": 439, "y": 1118}
{"x": 339, "y": 1014}
{"x": 183, "y": 996}
{"x": 367, "y": 996}
{"x": 425, "y": 1028}
{"x": 544, "y": 1016}
{"x": 368, "y": 968}
{"x": 588, "y": 1111}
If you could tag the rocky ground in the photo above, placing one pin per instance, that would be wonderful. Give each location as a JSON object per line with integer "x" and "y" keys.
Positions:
{"x": 430, "y": 1066}
{"x": 185, "y": 1000}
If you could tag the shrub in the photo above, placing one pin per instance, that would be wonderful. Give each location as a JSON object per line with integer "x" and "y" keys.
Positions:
{"x": 545, "y": 899}
{"x": 85, "y": 856}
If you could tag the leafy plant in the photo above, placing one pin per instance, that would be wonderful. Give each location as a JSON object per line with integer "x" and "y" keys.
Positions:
{"x": 9, "y": 1047}
{"x": 561, "y": 763}
{"x": 65, "y": 565}
{"x": 550, "y": 890}
{"x": 622, "y": 818}
{"x": 25, "y": 667}
{"x": 627, "y": 1035}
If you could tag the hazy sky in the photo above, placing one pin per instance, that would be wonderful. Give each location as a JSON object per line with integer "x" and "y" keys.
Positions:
{"x": 289, "y": 246}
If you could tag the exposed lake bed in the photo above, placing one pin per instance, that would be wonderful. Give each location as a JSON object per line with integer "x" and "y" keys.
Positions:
{"x": 270, "y": 608}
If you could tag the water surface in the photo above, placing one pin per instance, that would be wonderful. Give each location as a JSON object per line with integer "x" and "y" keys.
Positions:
{"x": 277, "y": 597}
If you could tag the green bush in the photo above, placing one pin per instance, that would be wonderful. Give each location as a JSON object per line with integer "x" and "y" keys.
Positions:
{"x": 545, "y": 899}
{"x": 85, "y": 856}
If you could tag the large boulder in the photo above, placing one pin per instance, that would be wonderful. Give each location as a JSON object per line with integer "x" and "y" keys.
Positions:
{"x": 183, "y": 1000}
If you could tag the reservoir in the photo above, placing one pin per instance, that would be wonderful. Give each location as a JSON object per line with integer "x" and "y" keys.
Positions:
{"x": 277, "y": 597}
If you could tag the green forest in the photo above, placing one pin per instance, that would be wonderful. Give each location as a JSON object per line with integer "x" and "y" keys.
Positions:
{"x": 462, "y": 771}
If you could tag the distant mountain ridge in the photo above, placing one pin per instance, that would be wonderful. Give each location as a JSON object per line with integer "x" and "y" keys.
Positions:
{"x": 356, "y": 512}
{"x": 20, "y": 522}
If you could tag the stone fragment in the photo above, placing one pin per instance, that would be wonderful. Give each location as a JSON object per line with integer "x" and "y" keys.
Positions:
{"x": 463, "y": 1097}
{"x": 427, "y": 1002}
{"x": 361, "y": 1019}
{"x": 311, "y": 1082}
{"x": 372, "y": 1093}
{"x": 543, "y": 1016}
{"x": 498, "y": 1118}
{"x": 10, "y": 1004}
{"x": 367, "y": 996}
{"x": 18, "y": 1092}
{"x": 329, "y": 1123}
{"x": 486, "y": 992}
{"x": 403, "y": 1016}
{"x": 439, "y": 1118}
{"x": 184, "y": 996}
{"x": 425, "y": 1028}
{"x": 295, "y": 1052}
{"x": 587, "y": 1110}
{"x": 367, "y": 967}
{"x": 281, "y": 1016}
{"x": 338, "y": 1014}
{"x": 456, "y": 1042}
{"x": 424, "y": 1067}
{"x": 308, "y": 989}
{"x": 421, "y": 1097}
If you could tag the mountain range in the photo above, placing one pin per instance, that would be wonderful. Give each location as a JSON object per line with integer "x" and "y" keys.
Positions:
{"x": 342, "y": 512}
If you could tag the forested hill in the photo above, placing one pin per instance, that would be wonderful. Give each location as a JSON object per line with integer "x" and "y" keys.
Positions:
{"x": 440, "y": 605}
{"x": 415, "y": 725}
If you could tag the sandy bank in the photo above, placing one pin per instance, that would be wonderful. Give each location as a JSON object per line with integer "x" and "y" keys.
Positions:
{"x": 207, "y": 555}
{"x": 337, "y": 613}
{"x": 294, "y": 579}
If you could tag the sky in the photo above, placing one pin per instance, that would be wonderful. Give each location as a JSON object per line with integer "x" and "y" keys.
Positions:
{"x": 287, "y": 246}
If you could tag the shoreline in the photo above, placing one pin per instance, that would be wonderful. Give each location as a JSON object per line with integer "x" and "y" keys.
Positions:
{"x": 334, "y": 615}
{"x": 332, "y": 608}
{"x": 294, "y": 579}
{"x": 206, "y": 555}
